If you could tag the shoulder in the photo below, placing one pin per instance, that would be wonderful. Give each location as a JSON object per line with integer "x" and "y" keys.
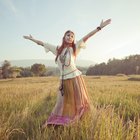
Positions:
{"x": 50, "y": 47}
{"x": 80, "y": 44}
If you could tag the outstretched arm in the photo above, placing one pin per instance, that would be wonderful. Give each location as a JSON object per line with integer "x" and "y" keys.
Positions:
{"x": 34, "y": 40}
{"x": 102, "y": 25}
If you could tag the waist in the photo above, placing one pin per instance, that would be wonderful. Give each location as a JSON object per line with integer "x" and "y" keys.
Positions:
{"x": 67, "y": 73}
{"x": 71, "y": 74}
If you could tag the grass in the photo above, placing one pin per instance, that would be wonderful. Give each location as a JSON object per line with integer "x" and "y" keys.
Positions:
{"x": 134, "y": 78}
{"x": 27, "y": 102}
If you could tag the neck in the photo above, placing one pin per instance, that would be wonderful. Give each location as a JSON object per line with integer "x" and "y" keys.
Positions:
{"x": 67, "y": 45}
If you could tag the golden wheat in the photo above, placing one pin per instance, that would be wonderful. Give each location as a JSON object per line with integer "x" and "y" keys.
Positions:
{"x": 27, "y": 102}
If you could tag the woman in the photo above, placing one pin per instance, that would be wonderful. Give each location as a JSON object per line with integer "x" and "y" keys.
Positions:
{"x": 72, "y": 99}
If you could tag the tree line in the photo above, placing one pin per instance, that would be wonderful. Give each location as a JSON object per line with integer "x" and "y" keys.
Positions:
{"x": 128, "y": 65}
{"x": 8, "y": 71}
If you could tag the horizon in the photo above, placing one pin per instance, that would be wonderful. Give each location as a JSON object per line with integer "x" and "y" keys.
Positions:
{"x": 46, "y": 62}
{"x": 76, "y": 59}
{"x": 79, "y": 61}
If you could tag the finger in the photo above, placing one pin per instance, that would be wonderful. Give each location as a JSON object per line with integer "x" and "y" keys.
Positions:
{"x": 109, "y": 20}
{"x": 30, "y": 35}
{"x": 102, "y": 21}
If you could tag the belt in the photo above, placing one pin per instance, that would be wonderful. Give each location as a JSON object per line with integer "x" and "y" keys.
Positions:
{"x": 69, "y": 72}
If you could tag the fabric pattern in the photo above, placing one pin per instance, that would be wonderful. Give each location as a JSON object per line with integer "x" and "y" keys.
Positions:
{"x": 70, "y": 107}
{"x": 69, "y": 58}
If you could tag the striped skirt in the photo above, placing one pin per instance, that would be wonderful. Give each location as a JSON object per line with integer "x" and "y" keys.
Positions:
{"x": 72, "y": 105}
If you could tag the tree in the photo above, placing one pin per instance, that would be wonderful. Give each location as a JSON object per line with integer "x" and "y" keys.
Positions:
{"x": 26, "y": 72}
{"x": 14, "y": 72}
{"x": 129, "y": 65}
{"x": 137, "y": 69}
{"x": 38, "y": 69}
{"x": 6, "y": 69}
{"x": 1, "y": 73}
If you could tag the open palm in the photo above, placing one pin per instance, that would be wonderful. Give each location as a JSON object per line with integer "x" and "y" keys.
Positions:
{"x": 28, "y": 37}
{"x": 105, "y": 23}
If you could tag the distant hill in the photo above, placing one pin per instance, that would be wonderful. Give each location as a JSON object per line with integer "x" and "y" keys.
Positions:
{"x": 29, "y": 62}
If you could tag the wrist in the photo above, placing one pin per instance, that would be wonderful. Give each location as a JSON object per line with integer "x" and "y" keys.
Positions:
{"x": 30, "y": 38}
{"x": 98, "y": 28}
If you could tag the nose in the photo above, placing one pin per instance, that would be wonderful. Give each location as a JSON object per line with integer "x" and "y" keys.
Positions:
{"x": 70, "y": 37}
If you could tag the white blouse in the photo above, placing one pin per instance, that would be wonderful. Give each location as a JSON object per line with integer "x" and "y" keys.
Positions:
{"x": 69, "y": 70}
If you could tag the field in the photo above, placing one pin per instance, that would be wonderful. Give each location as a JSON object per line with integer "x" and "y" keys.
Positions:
{"x": 27, "y": 102}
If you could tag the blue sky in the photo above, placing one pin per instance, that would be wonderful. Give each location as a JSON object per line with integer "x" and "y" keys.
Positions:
{"x": 47, "y": 20}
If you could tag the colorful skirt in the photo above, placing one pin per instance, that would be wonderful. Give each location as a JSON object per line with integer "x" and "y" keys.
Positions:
{"x": 72, "y": 105}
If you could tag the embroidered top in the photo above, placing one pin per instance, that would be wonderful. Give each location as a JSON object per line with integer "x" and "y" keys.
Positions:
{"x": 70, "y": 70}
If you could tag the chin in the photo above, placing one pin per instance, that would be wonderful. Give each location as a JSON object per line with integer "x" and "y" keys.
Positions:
{"x": 68, "y": 43}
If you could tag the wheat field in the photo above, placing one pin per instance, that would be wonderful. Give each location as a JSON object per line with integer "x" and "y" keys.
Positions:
{"x": 25, "y": 103}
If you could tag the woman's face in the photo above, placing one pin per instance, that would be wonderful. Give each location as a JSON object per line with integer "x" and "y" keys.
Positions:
{"x": 69, "y": 38}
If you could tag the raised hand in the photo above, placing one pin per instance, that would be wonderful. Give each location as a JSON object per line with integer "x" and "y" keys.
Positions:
{"x": 28, "y": 37}
{"x": 105, "y": 23}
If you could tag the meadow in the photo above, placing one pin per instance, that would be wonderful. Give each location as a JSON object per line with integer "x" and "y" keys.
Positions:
{"x": 25, "y": 103}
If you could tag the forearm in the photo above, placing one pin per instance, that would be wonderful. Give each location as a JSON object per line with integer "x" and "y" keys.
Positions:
{"x": 37, "y": 41}
{"x": 102, "y": 25}
{"x": 85, "y": 38}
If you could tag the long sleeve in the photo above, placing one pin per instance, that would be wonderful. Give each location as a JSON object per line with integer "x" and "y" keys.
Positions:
{"x": 49, "y": 47}
{"x": 80, "y": 45}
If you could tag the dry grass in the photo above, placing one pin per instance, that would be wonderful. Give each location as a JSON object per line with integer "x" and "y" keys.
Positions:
{"x": 26, "y": 103}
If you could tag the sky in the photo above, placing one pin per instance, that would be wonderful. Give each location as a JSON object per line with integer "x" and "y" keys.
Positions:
{"x": 47, "y": 20}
